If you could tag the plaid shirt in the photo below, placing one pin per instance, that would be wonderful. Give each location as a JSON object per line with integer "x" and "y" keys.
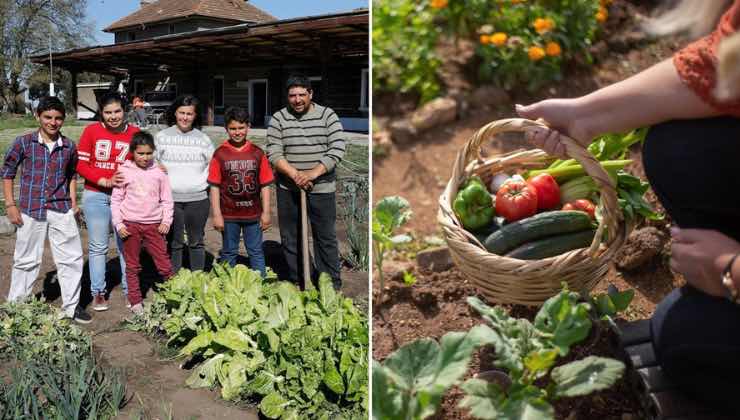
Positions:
{"x": 45, "y": 175}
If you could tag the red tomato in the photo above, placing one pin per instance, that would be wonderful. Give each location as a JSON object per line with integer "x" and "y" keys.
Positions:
{"x": 548, "y": 191}
{"x": 516, "y": 200}
{"x": 582, "y": 205}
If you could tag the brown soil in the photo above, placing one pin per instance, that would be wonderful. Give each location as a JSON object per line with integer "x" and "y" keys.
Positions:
{"x": 436, "y": 304}
{"x": 156, "y": 384}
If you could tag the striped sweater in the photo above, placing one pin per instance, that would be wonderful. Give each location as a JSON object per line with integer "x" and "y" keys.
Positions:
{"x": 305, "y": 141}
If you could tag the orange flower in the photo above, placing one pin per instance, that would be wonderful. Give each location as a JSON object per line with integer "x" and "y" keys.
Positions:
{"x": 498, "y": 39}
{"x": 602, "y": 14}
{"x": 606, "y": 2}
{"x": 439, "y": 4}
{"x": 517, "y": 1}
{"x": 485, "y": 39}
{"x": 543, "y": 25}
{"x": 553, "y": 49}
{"x": 536, "y": 53}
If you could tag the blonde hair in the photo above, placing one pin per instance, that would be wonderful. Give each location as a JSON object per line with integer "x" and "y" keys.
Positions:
{"x": 695, "y": 17}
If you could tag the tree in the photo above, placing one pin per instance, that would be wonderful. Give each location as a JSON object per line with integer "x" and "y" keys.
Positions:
{"x": 27, "y": 28}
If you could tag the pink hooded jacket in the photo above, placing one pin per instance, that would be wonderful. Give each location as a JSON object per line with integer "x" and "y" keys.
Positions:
{"x": 144, "y": 197}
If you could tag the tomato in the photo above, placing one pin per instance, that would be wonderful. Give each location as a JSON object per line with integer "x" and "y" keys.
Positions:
{"x": 582, "y": 205}
{"x": 548, "y": 191}
{"x": 516, "y": 200}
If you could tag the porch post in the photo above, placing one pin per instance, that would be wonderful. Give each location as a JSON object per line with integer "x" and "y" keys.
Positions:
{"x": 73, "y": 90}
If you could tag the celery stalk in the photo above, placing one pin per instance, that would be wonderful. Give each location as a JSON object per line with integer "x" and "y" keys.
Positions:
{"x": 566, "y": 173}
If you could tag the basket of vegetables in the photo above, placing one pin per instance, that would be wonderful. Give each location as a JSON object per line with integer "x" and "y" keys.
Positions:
{"x": 521, "y": 223}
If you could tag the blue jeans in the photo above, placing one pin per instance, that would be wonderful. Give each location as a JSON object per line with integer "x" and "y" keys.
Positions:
{"x": 252, "y": 241}
{"x": 96, "y": 207}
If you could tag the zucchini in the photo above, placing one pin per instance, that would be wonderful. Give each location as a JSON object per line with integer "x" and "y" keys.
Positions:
{"x": 536, "y": 227}
{"x": 553, "y": 245}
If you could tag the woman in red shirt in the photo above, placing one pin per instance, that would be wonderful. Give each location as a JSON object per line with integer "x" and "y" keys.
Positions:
{"x": 103, "y": 146}
{"x": 690, "y": 156}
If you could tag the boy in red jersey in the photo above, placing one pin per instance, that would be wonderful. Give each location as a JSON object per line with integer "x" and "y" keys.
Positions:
{"x": 240, "y": 177}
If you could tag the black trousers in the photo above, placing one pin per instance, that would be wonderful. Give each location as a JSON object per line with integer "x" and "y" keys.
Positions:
{"x": 691, "y": 166}
{"x": 322, "y": 215}
{"x": 189, "y": 219}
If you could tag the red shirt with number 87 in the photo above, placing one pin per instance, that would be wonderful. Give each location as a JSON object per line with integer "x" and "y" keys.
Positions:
{"x": 240, "y": 174}
{"x": 100, "y": 152}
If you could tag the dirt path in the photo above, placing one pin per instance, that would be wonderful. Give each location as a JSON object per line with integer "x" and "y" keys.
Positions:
{"x": 157, "y": 385}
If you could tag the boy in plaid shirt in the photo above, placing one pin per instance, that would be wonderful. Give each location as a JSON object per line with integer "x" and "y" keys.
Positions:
{"x": 47, "y": 203}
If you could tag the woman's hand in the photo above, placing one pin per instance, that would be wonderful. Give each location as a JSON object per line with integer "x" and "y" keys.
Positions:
{"x": 265, "y": 221}
{"x": 218, "y": 222}
{"x": 560, "y": 116}
{"x": 105, "y": 182}
{"x": 701, "y": 255}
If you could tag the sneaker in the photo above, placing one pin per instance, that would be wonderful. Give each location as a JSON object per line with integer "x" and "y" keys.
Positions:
{"x": 137, "y": 309}
{"x": 82, "y": 317}
{"x": 100, "y": 303}
{"x": 125, "y": 299}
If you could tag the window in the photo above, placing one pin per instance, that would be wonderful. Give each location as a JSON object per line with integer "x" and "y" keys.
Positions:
{"x": 365, "y": 92}
{"x": 218, "y": 91}
{"x": 172, "y": 87}
{"x": 172, "y": 28}
{"x": 317, "y": 96}
{"x": 132, "y": 36}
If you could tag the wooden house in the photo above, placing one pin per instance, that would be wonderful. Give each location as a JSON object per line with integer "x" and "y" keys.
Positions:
{"x": 229, "y": 52}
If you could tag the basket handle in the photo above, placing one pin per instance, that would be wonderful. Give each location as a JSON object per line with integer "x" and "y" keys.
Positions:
{"x": 611, "y": 213}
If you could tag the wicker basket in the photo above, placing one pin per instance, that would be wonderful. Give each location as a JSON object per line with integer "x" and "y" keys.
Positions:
{"x": 528, "y": 282}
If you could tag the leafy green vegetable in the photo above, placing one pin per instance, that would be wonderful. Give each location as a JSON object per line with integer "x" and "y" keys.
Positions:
{"x": 413, "y": 379}
{"x": 390, "y": 213}
{"x": 529, "y": 351}
{"x": 301, "y": 354}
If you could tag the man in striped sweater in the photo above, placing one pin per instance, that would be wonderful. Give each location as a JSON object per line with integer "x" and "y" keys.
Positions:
{"x": 305, "y": 142}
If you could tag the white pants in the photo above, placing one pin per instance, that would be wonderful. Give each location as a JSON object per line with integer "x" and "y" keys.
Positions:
{"x": 66, "y": 248}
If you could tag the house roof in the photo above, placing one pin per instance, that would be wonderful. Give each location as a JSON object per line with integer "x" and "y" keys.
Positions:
{"x": 165, "y": 10}
{"x": 338, "y": 36}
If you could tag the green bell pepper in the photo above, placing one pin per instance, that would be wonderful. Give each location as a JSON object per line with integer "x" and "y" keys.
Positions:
{"x": 473, "y": 205}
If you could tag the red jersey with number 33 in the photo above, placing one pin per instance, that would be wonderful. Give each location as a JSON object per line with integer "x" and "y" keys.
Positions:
{"x": 240, "y": 174}
{"x": 100, "y": 152}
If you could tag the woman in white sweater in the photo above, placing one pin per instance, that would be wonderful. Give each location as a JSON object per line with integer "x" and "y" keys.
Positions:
{"x": 185, "y": 152}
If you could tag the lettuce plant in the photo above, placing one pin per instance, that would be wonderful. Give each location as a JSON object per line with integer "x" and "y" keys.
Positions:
{"x": 528, "y": 351}
{"x": 390, "y": 213}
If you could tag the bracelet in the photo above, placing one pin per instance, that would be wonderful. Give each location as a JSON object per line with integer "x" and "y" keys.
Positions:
{"x": 729, "y": 284}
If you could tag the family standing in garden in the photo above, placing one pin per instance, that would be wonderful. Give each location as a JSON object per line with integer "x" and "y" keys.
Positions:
{"x": 141, "y": 188}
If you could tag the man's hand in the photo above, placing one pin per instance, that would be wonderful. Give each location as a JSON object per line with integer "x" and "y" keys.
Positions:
{"x": 123, "y": 233}
{"x": 218, "y": 222}
{"x": 14, "y": 215}
{"x": 163, "y": 228}
{"x": 301, "y": 179}
{"x": 701, "y": 255}
{"x": 265, "y": 221}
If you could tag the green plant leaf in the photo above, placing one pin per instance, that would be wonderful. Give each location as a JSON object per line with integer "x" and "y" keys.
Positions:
{"x": 391, "y": 213}
{"x": 234, "y": 339}
{"x": 622, "y": 299}
{"x": 204, "y": 376}
{"x": 482, "y": 398}
{"x": 273, "y": 405}
{"x": 540, "y": 361}
{"x": 566, "y": 319}
{"x": 199, "y": 342}
{"x": 585, "y": 376}
{"x": 387, "y": 398}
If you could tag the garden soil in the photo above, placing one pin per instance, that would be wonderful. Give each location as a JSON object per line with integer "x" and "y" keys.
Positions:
{"x": 155, "y": 380}
{"x": 436, "y": 304}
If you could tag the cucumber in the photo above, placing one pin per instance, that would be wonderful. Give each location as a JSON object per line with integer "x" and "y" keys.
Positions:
{"x": 553, "y": 245}
{"x": 483, "y": 233}
{"x": 536, "y": 227}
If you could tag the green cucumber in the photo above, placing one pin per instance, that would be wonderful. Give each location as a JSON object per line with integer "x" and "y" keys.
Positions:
{"x": 483, "y": 233}
{"x": 536, "y": 227}
{"x": 553, "y": 245}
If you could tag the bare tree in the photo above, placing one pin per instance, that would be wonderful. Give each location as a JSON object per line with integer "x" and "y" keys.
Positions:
{"x": 31, "y": 27}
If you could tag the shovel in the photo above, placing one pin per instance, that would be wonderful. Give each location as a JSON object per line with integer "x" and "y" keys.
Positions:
{"x": 304, "y": 242}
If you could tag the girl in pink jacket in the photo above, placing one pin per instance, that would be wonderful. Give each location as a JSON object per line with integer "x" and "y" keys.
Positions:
{"x": 141, "y": 208}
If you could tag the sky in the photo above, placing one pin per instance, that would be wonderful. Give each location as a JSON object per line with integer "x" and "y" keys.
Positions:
{"x": 105, "y": 12}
